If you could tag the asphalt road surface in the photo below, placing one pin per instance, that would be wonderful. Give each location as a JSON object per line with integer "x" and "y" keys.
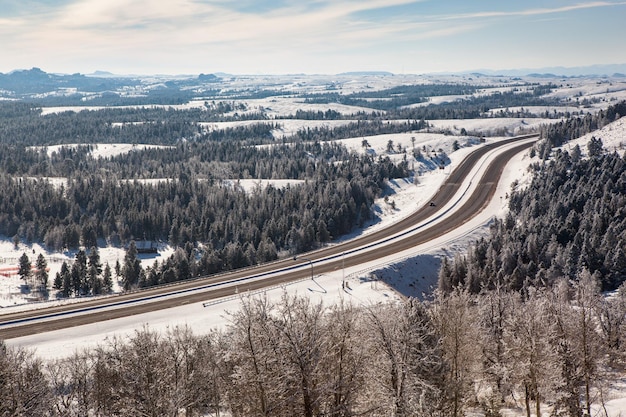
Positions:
{"x": 376, "y": 245}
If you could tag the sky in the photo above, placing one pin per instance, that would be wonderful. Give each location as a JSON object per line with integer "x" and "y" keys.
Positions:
{"x": 307, "y": 36}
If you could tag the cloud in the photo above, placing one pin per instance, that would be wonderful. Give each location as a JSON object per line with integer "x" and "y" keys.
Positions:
{"x": 150, "y": 35}
{"x": 134, "y": 21}
{"x": 129, "y": 15}
{"x": 532, "y": 12}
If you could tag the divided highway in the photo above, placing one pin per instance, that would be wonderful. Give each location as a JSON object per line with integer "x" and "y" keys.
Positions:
{"x": 404, "y": 234}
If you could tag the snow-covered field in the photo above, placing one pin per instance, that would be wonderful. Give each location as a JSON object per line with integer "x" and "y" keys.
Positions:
{"x": 103, "y": 150}
{"x": 405, "y": 194}
{"x": 604, "y": 90}
{"x": 613, "y": 138}
{"x": 497, "y": 126}
{"x": 407, "y": 274}
{"x": 411, "y": 273}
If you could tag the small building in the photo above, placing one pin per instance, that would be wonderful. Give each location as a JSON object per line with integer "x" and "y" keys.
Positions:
{"x": 146, "y": 246}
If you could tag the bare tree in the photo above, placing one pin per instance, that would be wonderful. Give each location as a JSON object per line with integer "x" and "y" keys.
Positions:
{"x": 23, "y": 387}
{"x": 406, "y": 362}
{"x": 298, "y": 326}
{"x": 132, "y": 378}
{"x": 578, "y": 344}
{"x": 71, "y": 382}
{"x": 456, "y": 319}
{"x": 189, "y": 362}
{"x": 294, "y": 357}
{"x": 611, "y": 314}
{"x": 529, "y": 342}
{"x": 250, "y": 365}
{"x": 495, "y": 310}
{"x": 342, "y": 376}
{"x": 587, "y": 341}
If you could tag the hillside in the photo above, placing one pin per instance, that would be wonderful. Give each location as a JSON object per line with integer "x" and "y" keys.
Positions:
{"x": 195, "y": 159}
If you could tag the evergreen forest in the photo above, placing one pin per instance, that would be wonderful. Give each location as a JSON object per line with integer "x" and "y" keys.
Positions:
{"x": 570, "y": 219}
{"x": 521, "y": 322}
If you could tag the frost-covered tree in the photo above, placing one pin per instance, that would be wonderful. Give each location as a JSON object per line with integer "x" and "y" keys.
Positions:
{"x": 594, "y": 147}
{"x": 131, "y": 271}
{"x": 71, "y": 383}
{"x": 343, "y": 362}
{"x": 577, "y": 343}
{"x": 23, "y": 386}
{"x": 612, "y": 322}
{"x": 406, "y": 362}
{"x": 251, "y": 368}
{"x": 529, "y": 343}
{"x": 495, "y": 311}
{"x": 455, "y": 320}
{"x": 41, "y": 275}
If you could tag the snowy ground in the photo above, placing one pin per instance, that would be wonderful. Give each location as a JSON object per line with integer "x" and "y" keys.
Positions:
{"x": 412, "y": 273}
{"x": 495, "y": 126}
{"x": 103, "y": 150}
{"x": 603, "y": 91}
{"x": 613, "y": 138}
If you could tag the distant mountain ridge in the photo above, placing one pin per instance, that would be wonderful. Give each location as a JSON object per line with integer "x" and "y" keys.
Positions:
{"x": 367, "y": 73}
{"x": 39, "y": 77}
{"x": 617, "y": 70}
{"x": 104, "y": 87}
{"x": 36, "y": 81}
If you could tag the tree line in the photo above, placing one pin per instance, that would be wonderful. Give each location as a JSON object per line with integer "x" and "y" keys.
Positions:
{"x": 552, "y": 348}
{"x": 218, "y": 226}
{"x": 91, "y": 206}
{"x": 391, "y": 98}
{"x": 23, "y": 124}
{"x": 479, "y": 106}
{"x": 575, "y": 126}
{"x": 570, "y": 218}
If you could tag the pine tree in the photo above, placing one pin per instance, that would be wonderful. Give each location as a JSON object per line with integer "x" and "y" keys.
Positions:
{"x": 107, "y": 280}
{"x": 79, "y": 273}
{"x": 25, "y": 269}
{"x": 94, "y": 269}
{"x": 594, "y": 147}
{"x": 41, "y": 274}
{"x": 76, "y": 279}
{"x": 131, "y": 270}
{"x": 58, "y": 281}
{"x": 65, "y": 276}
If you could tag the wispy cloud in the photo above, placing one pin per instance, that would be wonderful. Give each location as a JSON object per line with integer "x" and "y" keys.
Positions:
{"x": 532, "y": 12}
{"x": 90, "y": 29}
{"x": 149, "y": 33}
{"x": 129, "y": 14}
{"x": 209, "y": 20}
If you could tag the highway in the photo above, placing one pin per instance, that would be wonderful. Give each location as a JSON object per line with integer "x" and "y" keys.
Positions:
{"x": 425, "y": 224}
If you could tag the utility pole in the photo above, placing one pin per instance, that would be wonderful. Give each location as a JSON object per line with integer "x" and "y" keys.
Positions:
{"x": 295, "y": 258}
{"x": 343, "y": 270}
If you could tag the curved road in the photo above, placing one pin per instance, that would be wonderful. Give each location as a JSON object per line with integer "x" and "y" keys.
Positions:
{"x": 379, "y": 244}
